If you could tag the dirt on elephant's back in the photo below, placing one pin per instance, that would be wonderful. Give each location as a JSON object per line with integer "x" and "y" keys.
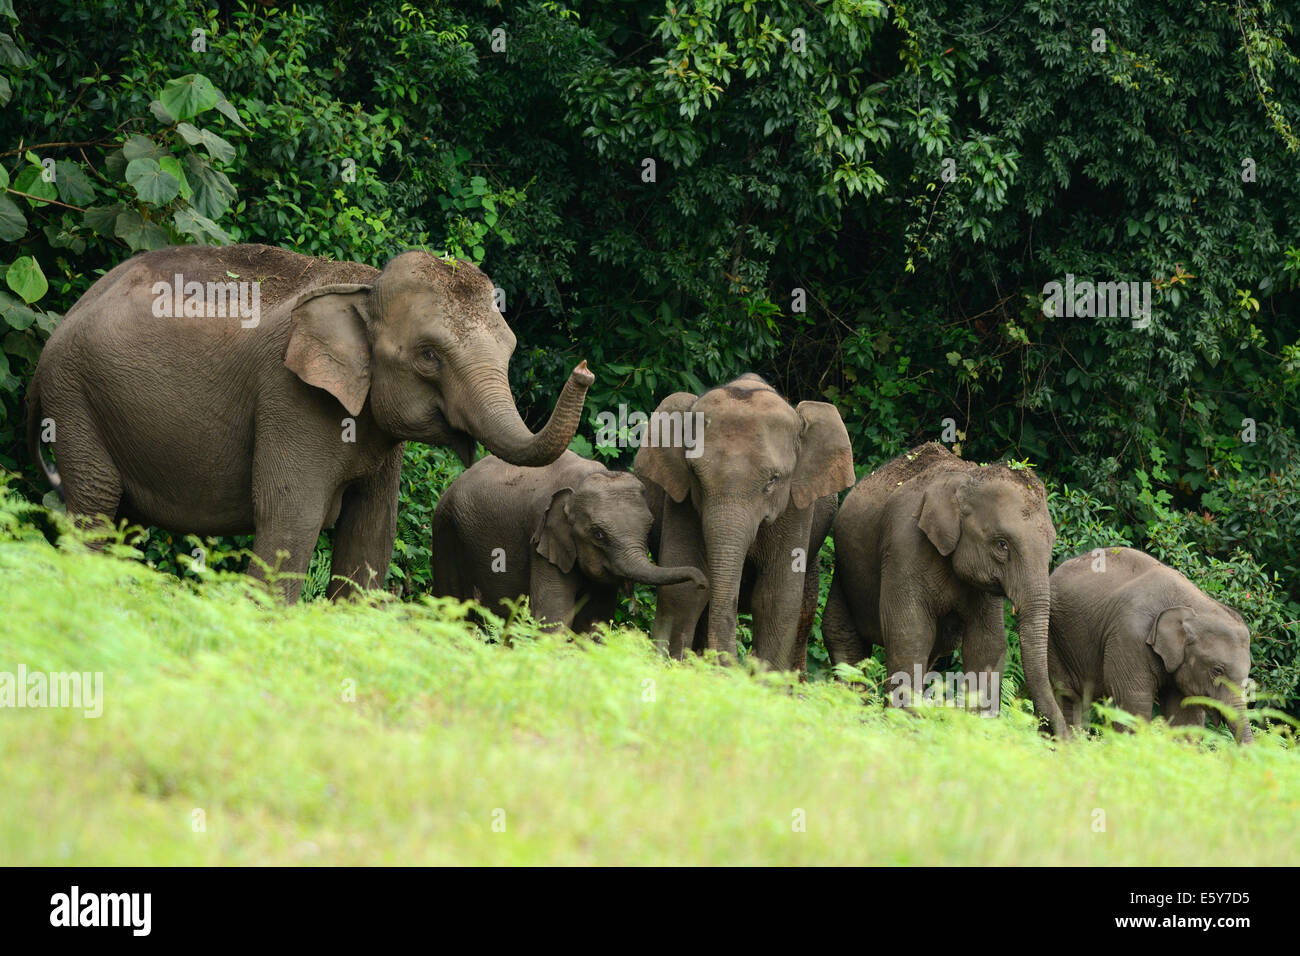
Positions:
{"x": 912, "y": 463}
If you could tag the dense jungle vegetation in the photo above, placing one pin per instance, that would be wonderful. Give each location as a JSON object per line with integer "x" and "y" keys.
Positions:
{"x": 862, "y": 200}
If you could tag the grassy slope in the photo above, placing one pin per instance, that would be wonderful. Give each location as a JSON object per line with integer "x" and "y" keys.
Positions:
{"x": 216, "y": 701}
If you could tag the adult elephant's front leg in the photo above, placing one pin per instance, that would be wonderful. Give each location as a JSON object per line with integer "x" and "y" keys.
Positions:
{"x": 287, "y": 521}
{"x": 365, "y": 529}
{"x": 678, "y": 607}
{"x": 984, "y": 652}
{"x": 781, "y": 554}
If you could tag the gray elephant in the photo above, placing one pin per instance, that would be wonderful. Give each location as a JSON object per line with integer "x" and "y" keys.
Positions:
{"x": 251, "y": 389}
{"x": 568, "y": 535}
{"x": 926, "y": 548}
{"x": 750, "y": 503}
{"x": 1128, "y": 627}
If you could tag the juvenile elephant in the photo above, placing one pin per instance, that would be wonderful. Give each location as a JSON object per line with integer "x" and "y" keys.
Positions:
{"x": 1126, "y": 626}
{"x": 926, "y": 548}
{"x": 750, "y": 503}
{"x": 568, "y": 535}
{"x": 167, "y": 404}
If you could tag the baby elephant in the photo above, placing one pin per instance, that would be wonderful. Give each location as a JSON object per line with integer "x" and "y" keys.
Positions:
{"x": 567, "y": 535}
{"x": 1125, "y": 626}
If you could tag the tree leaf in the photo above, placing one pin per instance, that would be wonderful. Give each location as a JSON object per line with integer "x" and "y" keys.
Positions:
{"x": 15, "y": 314}
{"x": 188, "y": 96}
{"x": 217, "y": 147}
{"x": 200, "y": 227}
{"x": 142, "y": 147}
{"x": 138, "y": 233}
{"x": 213, "y": 192}
{"x": 227, "y": 109}
{"x": 101, "y": 220}
{"x": 160, "y": 113}
{"x": 31, "y": 182}
{"x": 74, "y": 185}
{"x": 13, "y": 225}
{"x": 150, "y": 182}
{"x": 26, "y": 279}
{"x": 172, "y": 167}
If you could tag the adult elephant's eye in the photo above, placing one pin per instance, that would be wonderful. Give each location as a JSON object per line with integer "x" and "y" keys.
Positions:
{"x": 771, "y": 482}
{"x": 429, "y": 355}
{"x": 1003, "y": 546}
{"x": 597, "y": 534}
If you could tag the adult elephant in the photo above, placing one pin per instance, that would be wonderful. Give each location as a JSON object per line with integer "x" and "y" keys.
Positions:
{"x": 167, "y": 405}
{"x": 926, "y": 548}
{"x": 750, "y": 504}
{"x": 1128, "y": 627}
{"x": 568, "y": 535}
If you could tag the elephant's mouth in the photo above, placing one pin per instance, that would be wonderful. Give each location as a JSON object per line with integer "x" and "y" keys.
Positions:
{"x": 462, "y": 443}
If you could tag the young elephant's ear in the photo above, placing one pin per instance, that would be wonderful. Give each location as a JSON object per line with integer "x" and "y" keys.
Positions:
{"x": 553, "y": 538}
{"x": 328, "y": 346}
{"x": 825, "y": 465}
{"x": 940, "y": 515}
{"x": 667, "y": 467}
{"x": 1169, "y": 635}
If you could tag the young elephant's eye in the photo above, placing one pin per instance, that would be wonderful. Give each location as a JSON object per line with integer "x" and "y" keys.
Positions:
{"x": 771, "y": 482}
{"x": 429, "y": 354}
{"x": 1002, "y": 545}
{"x": 597, "y": 534}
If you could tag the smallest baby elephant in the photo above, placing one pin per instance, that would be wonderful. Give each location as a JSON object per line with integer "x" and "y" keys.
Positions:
{"x": 567, "y": 535}
{"x": 1125, "y": 626}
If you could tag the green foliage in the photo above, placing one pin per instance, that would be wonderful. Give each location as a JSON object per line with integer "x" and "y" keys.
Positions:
{"x": 863, "y": 201}
{"x": 388, "y": 732}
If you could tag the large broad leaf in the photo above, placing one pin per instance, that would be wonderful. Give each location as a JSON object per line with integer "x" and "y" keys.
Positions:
{"x": 172, "y": 167}
{"x": 24, "y": 346}
{"x": 217, "y": 147}
{"x": 203, "y": 229}
{"x": 14, "y": 313}
{"x": 6, "y": 91}
{"x": 226, "y": 108}
{"x": 142, "y": 147}
{"x": 31, "y": 181}
{"x": 150, "y": 182}
{"x": 13, "y": 225}
{"x": 102, "y": 220}
{"x": 188, "y": 96}
{"x": 139, "y": 235}
{"x": 160, "y": 113}
{"x": 26, "y": 278}
{"x": 10, "y": 55}
{"x": 213, "y": 192}
{"x": 74, "y": 185}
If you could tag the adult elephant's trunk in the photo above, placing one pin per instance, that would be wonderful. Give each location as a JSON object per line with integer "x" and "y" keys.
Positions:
{"x": 636, "y": 566}
{"x": 1033, "y": 602}
{"x": 494, "y": 420}
{"x": 729, "y": 530}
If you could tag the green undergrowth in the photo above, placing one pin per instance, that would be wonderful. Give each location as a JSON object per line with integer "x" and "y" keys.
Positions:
{"x": 234, "y": 731}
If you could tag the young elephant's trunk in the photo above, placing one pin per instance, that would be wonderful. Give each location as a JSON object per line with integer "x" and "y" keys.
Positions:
{"x": 637, "y": 567}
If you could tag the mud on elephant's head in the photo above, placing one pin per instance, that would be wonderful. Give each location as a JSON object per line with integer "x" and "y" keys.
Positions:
{"x": 603, "y": 525}
{"x": 1207, "y": 654}
{"x": 427, "y": 347}
{"x": 994, "y": 525}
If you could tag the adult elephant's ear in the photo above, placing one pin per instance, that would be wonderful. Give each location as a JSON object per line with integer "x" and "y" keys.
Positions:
{"x": 1169, "y": 635}
{"x": 825, "y": 464}
{"x": 940, "y": 515}
{"x": 328, "y": 346}
{"x": 666, "y": 466}
{"x": 553, "y": 538}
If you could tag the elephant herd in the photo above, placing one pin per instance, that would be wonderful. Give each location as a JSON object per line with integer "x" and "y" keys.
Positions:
{"x": 205, "y": 420}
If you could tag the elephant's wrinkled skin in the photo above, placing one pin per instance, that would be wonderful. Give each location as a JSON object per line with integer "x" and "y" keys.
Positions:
{"x": 211, "y": 425}
{"x": 926, "y": 548}
{"x": 568, "y": 536}
{"x": 1128, "y": 627}
{"x": 752, "y": 510}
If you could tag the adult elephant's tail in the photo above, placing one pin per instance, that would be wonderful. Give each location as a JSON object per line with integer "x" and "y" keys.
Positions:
{"x": 35, "y": 416}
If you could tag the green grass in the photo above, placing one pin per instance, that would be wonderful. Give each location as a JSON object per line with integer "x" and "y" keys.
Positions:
{"x": 217, "y": 701}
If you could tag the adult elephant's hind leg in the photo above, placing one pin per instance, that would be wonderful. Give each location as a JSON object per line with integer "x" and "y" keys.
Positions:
{"x": 843, "y": 641}
{"x": 365, "y": 529}
{"x": 92, "y": 484}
